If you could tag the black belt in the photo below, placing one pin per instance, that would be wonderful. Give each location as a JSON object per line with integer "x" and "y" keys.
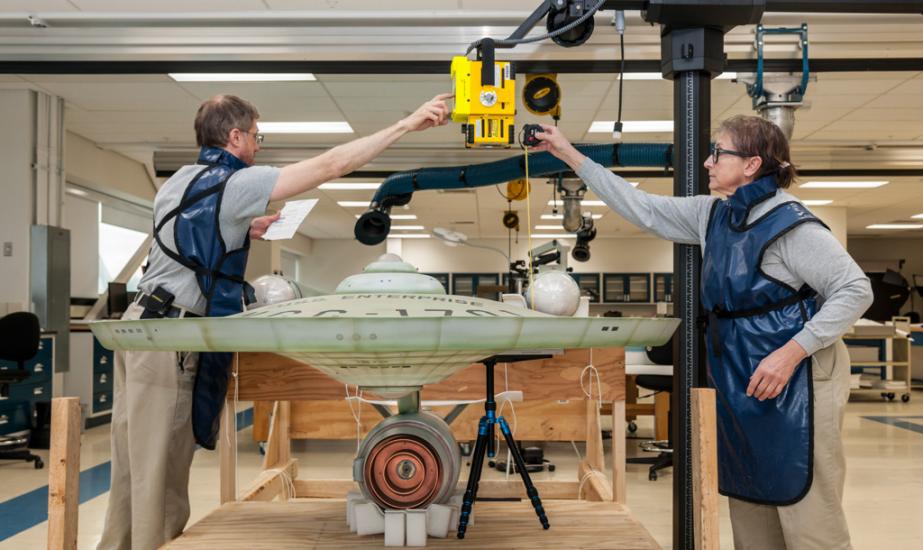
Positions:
{"x": 149, "y": 303}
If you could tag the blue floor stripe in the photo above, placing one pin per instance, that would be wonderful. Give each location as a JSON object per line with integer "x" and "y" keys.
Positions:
{"x": 898, "y": 422}
{"x": 30, "y": 509}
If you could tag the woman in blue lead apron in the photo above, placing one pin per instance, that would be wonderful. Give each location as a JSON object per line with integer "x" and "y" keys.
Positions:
{"x": 780, "y": 290}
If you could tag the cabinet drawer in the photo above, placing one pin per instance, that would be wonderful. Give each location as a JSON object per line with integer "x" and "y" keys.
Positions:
{"x": 102, "y": 381}
{"x": 15, "y": 417}
{"x": 39, "y": 372}
{"x": 102, "y": 401}
{"x": 102, "y": 357}
{"x": 24, "y": 391}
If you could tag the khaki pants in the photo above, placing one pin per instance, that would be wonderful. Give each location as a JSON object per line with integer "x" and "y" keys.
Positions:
{"x": 152, "y": 447}
{"x": 817, "y": 521}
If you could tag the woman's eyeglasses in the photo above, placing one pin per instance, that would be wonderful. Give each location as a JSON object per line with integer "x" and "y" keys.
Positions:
{"x": 716, "y": 153}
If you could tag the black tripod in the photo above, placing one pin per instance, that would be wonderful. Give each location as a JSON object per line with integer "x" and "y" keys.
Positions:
{"x": 485, "y": 440}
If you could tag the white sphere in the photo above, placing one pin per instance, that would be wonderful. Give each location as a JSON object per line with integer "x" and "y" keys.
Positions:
{"x": 272, "y": 289}
{"x": 555, "y": 293}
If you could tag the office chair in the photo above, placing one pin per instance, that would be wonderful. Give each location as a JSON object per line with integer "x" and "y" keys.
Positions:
{"x": 661, "y": 355}
{"x": 19, "y": 340}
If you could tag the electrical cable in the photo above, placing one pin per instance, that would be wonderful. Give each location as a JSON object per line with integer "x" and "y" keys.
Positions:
{"x": 529, "y": 227}
{"x": 514, "y": 41}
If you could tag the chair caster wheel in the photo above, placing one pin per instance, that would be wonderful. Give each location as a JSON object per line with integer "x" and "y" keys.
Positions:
{"x": 905, "y": 397}
{"x": 39, "y": 464}
{"x": 632, "y": 427}
{"x": 652, "y": 476}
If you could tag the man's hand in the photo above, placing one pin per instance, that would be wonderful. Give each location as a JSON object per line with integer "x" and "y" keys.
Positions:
{"x": 434, "y": 112}
{"x": 555, "y": 142}
{"x": 258, "y": 226}
{"x": 773, "y": 372}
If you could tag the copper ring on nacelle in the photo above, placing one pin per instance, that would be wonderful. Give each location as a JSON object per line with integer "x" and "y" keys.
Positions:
{"x": 403, "y": 472}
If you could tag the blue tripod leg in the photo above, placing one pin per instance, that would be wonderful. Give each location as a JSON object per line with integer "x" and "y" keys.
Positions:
{"x": 531, "y": 491}
{"x": 471, "y": 491}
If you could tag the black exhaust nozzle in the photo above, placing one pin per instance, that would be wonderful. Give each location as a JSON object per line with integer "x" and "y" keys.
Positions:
{"x": 372, "y": 227}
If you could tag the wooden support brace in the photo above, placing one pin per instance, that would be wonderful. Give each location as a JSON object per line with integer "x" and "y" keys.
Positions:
{"x": 618, "y": 452}
{"x": 594, "y": 438}
{"x": 64, "y": 474}
{"x": 487, "y": 488}
{"x": 271, "y": 483}
{"x": 662, "y": 416}
{"x": 594, "y": 485}
{"x": 227, "y": 453}
{"x": 705, "y": 470}
{"x": 279, "y": 444}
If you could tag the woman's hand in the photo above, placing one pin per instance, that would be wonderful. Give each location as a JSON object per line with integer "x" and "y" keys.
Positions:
{"x": 434, "y": 112}
{"x": 258, "y": 226}
{"x": 555, "y": 142}
{"x": 773, "y": 372}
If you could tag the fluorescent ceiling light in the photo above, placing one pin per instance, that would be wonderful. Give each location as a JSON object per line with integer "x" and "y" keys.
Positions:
{"x": 242, "y": 77}
{"x": 409, "y": 236}
{"x": 658, "y": 76}
{"x": 816, "y": 202}
{"x": 917, "y": 217}
{"x": 842, "y": 184}
{"x": 341, "y": 127}
{"x": 548, "y": 227}
{"x": 354, "y": 204}
{"x": 408, "y": 227}
{"x": 561, "y": 216}
{"x": 349, "y": 186}
{"x": 553, "y": 235}
{"x": 398, "y": 216}
{"x": 584, "y": 203}
{"x": 605, "y": 126}
{"x": 895, "y": 226}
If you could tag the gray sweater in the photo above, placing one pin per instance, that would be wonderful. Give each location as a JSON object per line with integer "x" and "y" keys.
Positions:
{"x": 807, "y": 254}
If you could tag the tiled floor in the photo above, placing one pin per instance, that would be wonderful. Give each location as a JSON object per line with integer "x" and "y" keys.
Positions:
{"x": 884, "y": 487}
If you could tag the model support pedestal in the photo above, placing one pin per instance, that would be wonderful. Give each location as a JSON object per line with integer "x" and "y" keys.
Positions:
{"x": 485, "y": 441}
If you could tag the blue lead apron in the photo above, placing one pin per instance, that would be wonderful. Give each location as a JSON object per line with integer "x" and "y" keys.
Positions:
{"x": 765, "y": 448}
{"x": 219, "y": 273}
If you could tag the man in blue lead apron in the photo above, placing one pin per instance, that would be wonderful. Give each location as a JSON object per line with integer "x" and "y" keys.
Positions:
{"x": 204, "y": 218}
{"x": 780, "y": 291}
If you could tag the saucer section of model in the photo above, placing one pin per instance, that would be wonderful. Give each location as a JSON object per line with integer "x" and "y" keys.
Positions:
{"x": 289, "y": 331}
{"x": 390, "y": 305}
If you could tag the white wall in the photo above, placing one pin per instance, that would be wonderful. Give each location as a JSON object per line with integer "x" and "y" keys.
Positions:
{"x": 81, "y": 217}
{"x": 332, "y": 260}
{"x": 835, "y": 218}
{"x": 17, "y": 207}
{"x": 88, "y": 165}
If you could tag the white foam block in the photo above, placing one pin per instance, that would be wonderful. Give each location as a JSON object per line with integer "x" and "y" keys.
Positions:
{"x": 394, "y": 527}
{"x": 352, "y": 498}
{"x": 417, "y": 527}
{"x": 368, "y": 519}
{"x": 438, "y": 520}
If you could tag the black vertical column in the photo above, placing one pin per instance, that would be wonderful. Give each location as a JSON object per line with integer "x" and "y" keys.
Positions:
{"x": 692, "y": 117}
{"x": 690, "y": 57}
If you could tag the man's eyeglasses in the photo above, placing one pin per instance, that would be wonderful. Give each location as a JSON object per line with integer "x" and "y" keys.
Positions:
{"x": 716, "y": 153}
{"x": 256, "y": 135}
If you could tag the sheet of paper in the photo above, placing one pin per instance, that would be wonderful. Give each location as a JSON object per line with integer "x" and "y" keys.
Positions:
{"x": 293, "y": 213}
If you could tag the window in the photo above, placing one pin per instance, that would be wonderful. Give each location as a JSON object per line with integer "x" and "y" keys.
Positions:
{"x": 116, "y": 246}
